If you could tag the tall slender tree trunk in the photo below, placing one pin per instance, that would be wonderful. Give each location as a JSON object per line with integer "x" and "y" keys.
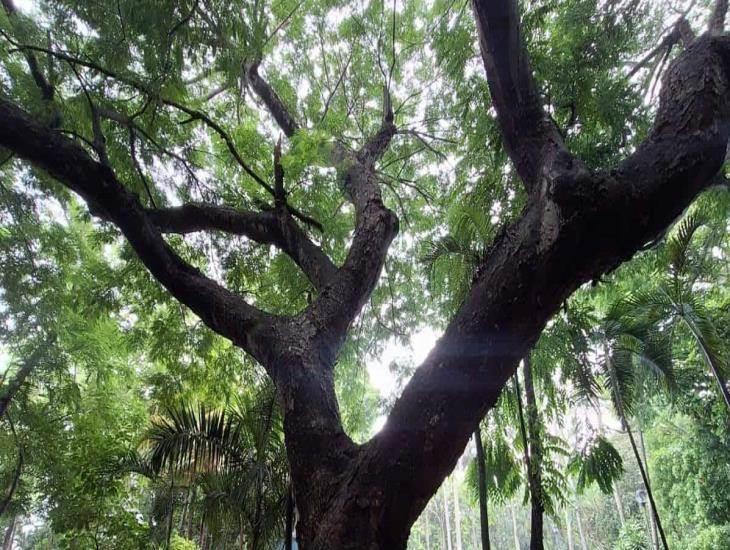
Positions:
{"x": 709, "y": 359}
{"x": 457, "y": 515}
{"x": 483, "y": 503}
{"x": 191, "y": 513}
{"x": 568, "y": 528}
{"x": 515, "y": 532}
{"x": 581, "y": 533}
{"x": 614, "y": 489}
{"x": 447, "y": 520}
{"x": 532, "y": 454}
{"x": 619, "y": 504}
{"x": 647, "y": 485}
{"x": 652, "y": 523}
{"x": 10, "y": 534}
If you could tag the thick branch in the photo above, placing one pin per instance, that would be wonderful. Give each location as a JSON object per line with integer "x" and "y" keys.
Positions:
{"x": 581, "y": 227}
{"x": 717, "y": 20}
{"x": 312, "y": 423}
{"x": 223, "y": 311}
{"x": 269, "y": 227}
{"x": 271, "y": 99}
{"x": 530, "y": 138}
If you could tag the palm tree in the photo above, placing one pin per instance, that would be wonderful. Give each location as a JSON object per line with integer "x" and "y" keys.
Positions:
{"x": 675, "y": 302}
{"x": 233, "y": 458}
{"x": 634, "y": 352}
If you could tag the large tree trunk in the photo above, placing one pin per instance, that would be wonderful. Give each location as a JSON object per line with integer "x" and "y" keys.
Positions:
{"x": 483, "y": 502}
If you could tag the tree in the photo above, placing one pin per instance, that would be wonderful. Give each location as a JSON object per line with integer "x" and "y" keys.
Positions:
{"x": 675, "y": 300}
{"x": 577, "y": 224}
{"x": 234, "y": 458}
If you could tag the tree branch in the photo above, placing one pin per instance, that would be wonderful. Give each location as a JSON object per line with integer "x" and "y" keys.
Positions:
{"x": 584, "y": 225}
{"x": 269, "y": 227}
{"x": 46, "y": 88}
{"x": 717, "y": 20}
{"x": 193, "y": 114}
{"x": 271, "y": 100}
{"x": 223, "y": 311}
{"x": 530, "y": 138}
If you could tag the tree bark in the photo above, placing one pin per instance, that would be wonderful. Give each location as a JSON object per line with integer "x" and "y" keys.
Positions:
{"x": 653, "y": 525}
{"x": 483, "y": 502}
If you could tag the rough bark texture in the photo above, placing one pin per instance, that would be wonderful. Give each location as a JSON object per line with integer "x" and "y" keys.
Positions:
{"x": 577, "y": 225}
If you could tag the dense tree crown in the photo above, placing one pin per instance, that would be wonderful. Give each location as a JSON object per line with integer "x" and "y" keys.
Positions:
{"x": 214, "y": 216}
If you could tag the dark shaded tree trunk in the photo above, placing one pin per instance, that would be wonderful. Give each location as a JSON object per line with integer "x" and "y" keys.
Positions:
{"x": 7, "y": 498}
{"x": 483, "y": 502}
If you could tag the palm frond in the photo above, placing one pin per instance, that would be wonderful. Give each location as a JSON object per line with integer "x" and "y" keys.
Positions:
{"x": 679, "y": 244}
{"x": 194, "y": 438}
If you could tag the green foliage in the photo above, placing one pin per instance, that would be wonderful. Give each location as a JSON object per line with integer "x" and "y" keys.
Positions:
{"x": 712, "y": 538}
{"x": 632, "y": 536}
{"x": 598, "y": 463}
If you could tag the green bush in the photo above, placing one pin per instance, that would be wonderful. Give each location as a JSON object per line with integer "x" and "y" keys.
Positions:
{"x": 632, "y": 536}
{"x": 716, "y": 537}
